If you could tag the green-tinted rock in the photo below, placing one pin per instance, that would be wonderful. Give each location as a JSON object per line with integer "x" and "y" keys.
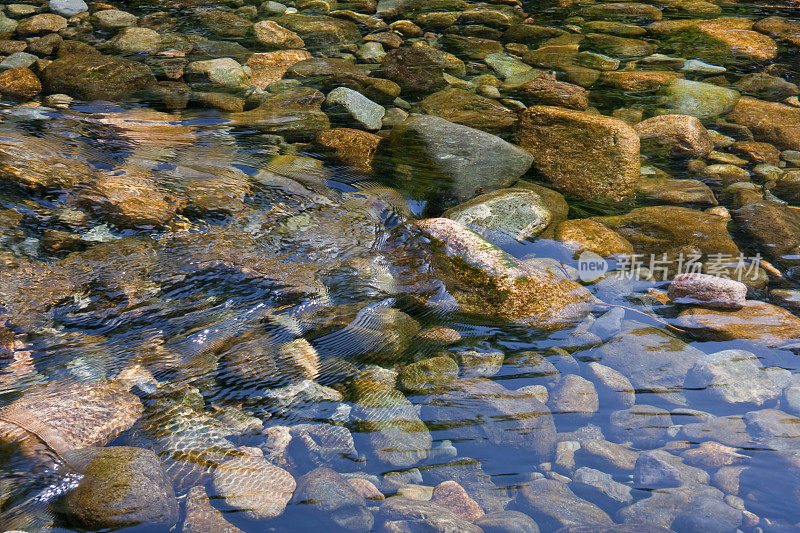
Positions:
{"x": 428, "y": 374}
{"x": 396, "y": 433}
{"x": 123, "y": 487}
{"x": 698, "y": 99}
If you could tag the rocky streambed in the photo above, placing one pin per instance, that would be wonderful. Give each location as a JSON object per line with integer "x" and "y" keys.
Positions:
{"x": 399, "y": 266}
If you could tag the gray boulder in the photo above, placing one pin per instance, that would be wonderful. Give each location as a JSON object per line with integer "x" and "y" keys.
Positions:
{"x": 440, "y": 157}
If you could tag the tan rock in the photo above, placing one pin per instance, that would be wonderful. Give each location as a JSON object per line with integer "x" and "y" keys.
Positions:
{"x": 551, "y": 92}
{"x": 771, "y": 122}
{"x": 354, "y": 148}
{"x": 712, "y": 454}
{"x": 202, "y": 517}
{"x": 593, "y": 236}
{"x": 452, "y": 496}
{"x": 272, "y": 35}
{"x": 131, "y": 199}
{"x": 19, "y": 84}
{"x": 365, "y": 488}
{"x": 269, "y": 67}
{"x": 487, "y": 282}
{"x": 591, "y": 156}
{"x": 780, "y": 28}
{"x": 675, "y": 135}
{"x": 762, "y": 323}
{"x": 638, "y": 80}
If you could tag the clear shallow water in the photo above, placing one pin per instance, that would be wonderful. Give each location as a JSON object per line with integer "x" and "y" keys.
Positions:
{"x": 298, "y": 249}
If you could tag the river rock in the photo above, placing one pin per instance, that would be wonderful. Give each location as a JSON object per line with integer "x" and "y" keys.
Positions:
{"x": 112, "y": 19}
{"x": 542, "y": 91}
{"x": 511, "y": 419}
{"x": 584, "y": 234}
{"x": 416, "y": 69}
{"x": 272, "y": 36}
{"x": 68, "y": 8}
{"x": 759, "y": 323}
{"x": 469, "y": 109}
{"x": 254, "y": 486}
{"x": 403, "y": 514}
{"x": 19, "y": 84}
{"x": 676, "y": 135}
{"x": 698, "y": 99}
{"x": 710, "y": 291}
{"x": 333, "y": 501}
{"x": 40, "y": 24}
{"x": 510, "y": 290}
{"x": 507, "y": 522}
{"x": 295, "y": 114}
{"x": 69, "y": 416}
{"x": 553, "y": 505}
{"x": 123, "y": 487}
{"x": 606, "y": 456}
{"x": 771, "y": 122}
{"x": 468, "y": 473}
{"x": 361, "y": 109}
{"x": 674, "y": 231}
{"x": 463, "y": 159}
{"x": 733, "y": 377}
{"x": 507, "y": 213}
{"x": 588, "y": 155}
{"x": 600, "y": 487}
{"x": 320, "y": 31}
{"x": 632, "y": 354}
{"x": 221, "y": 73}
{"x": 453, "y": 497}
{"x": 427, "y": 375}
{"x": 202, "y": 517}
{"x": 396, "y": 433}
{"x": 354, "y": 148}
{"x": 721, "y": 41}
{"x": 708, "y": 513}
{"x": 96, "y": 77}
{"x": 573, "y": 396}
{"x": 643, "y": 425}
{"x": 773, "y": 428}
{"x": 614, "y": 390}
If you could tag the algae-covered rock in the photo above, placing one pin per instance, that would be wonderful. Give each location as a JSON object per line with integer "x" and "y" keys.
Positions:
{"x": 397, "y": 435}
{"x": 585, "y": 234}
{"x": 489, "y": 283}
{"x": 428, "y": 374}
{"x": 725, "y": 42}
{"x": 591, "y": 156}
{"x": 469, "y": 109}
{"x": 673, "y": 231}
{"x": 123, "y": 487}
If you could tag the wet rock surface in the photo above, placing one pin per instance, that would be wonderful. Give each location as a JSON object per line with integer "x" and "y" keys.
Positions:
{"x": 399, "y": 266}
